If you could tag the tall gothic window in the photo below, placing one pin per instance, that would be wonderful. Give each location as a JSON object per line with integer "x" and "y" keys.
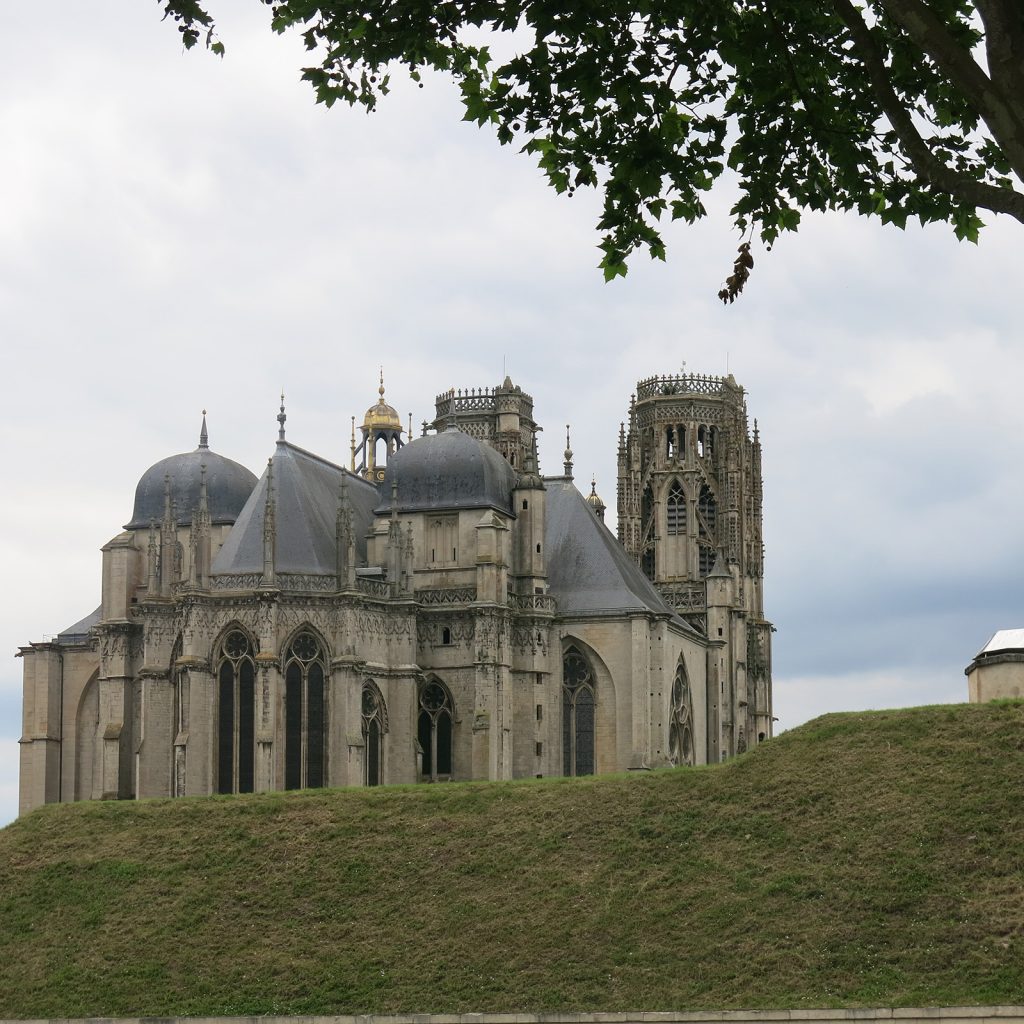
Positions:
{"x": 236, "y": 719}
{"x": 578, "y": 706}
{"x": 707, "y": 517}
{"x": 304, "y": 674}
{"x": 675, "y": 509}
{"x": 375, "y": 724}
{"x": 680, "y": 729}
{"x": 435, "y": 731}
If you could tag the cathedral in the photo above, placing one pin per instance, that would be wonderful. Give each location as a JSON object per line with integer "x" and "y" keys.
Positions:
{"x": 438, "y": 609}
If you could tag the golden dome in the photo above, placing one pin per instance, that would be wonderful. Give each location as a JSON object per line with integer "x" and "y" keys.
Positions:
{"x": 382, "y": 416}
{"x": 593, "y": 498}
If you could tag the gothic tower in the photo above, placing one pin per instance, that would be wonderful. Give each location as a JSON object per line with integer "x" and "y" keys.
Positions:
{"x": 689, "y": 512}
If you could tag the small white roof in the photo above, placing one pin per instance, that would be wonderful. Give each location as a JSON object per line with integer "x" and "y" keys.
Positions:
{"x": 1005, "y": 640}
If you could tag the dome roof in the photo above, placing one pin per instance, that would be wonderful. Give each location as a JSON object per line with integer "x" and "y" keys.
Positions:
{"x": 593, "y": 498}
{"x": 228, "y": 485}
{"x": 382, "y": 416}
{"x": 450, "y": 470}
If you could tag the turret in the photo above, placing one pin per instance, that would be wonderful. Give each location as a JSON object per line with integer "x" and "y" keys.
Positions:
{"x": 381, "y": 423}
{"x": 529, "y": 557}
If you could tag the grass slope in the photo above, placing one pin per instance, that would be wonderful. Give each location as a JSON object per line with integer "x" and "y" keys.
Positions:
{"x": 861, "y": 859}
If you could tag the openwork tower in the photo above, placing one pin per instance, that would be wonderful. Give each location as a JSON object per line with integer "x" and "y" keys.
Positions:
{"x": 689, "y": 512}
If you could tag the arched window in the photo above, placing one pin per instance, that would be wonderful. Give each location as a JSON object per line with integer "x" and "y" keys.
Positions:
{"x": 578, "y": 706}
{"x": 435, "y": 731}
{"x": 304, "y": 673}
{"x": 680, "y": 729}
{"x": 236, "y": 714}
{"x": 375, "y": 724}
{"x": 675, "y": 509}
{"x": 707, "y": 519}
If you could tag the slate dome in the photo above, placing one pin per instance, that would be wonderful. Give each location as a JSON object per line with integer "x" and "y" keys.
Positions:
{"x": 450, "y": 470}
{"x": 228, "y": 486}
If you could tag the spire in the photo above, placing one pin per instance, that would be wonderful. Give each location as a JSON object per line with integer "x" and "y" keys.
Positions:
{"x": 353, "y": 466}
{"x": 568, "y": 454}
{"x": 204, "y": 504}
{"x": 168, "y": 513}
{"x": 281, "y": 417}
{"x": 269, "y": 531}
{"x": 153, "y": 567}
{"x": 343, "y": 536}
{"x": 204, "y": 437}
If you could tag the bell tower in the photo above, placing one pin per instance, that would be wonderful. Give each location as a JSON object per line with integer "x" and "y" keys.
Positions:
{"x": 689, "y": 512}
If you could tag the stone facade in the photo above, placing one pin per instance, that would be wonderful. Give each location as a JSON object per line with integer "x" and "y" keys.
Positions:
{"x": 437, "y": 610}
{"x": 689, "y": 512}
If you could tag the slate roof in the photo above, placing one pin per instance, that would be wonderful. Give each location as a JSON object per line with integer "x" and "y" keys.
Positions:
{"x": 76, "y": 633}
{"x": 589, "y": 571}
{"x": 450, "y": 470}
{"x": 228, "y": 485}
{"x": 306, "y": 504}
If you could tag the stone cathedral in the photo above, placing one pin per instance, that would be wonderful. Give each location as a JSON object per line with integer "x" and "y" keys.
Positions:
{"x": 438, "y": 609}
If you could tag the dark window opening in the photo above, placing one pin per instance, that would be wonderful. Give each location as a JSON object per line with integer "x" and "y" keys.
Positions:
{"x": 236, "y": 715}
{"x": 374, "y": 728}
{"x": 578, "y": 714}
{"x": 434, "y": 732}
{"x": 304, "y": 713}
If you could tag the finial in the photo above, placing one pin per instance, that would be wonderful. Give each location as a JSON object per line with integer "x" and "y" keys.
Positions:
{"x": 593, "y": 485}
{"x": 410, "y": 426}
{"x": 281, "y": 417}
{"x": 425, "y": 425}
{"x": 380, "y": 390}
{"x": 568, "y": 454}
{"x": 204, "y": 437}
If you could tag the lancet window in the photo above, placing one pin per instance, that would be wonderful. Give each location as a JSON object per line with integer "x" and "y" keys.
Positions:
{"x": 680, "y": 729}
{"x": 707, "y": 517}
{"x": 578, "y": 712}
{"x": 304, "y": 713}
{"x": 374, "y": 726}
{"x": 434, "y": 731}
{"x": 675, "y": 509}
{"x": 236, "y": 714}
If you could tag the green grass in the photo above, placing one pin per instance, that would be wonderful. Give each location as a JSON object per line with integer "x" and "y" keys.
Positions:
{"x": 862, "y": 859}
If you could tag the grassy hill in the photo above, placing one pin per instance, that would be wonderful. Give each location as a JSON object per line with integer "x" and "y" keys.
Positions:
{"x": 861, "y": 859}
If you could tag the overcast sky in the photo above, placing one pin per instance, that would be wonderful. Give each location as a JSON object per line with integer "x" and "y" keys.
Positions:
{"x": 179, "y": 232}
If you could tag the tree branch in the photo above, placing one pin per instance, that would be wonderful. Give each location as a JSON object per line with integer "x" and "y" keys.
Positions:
{"x": 927, "y": 166}
{"x": 1004, "y": 45}
{"x": 1000, "y": 113}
